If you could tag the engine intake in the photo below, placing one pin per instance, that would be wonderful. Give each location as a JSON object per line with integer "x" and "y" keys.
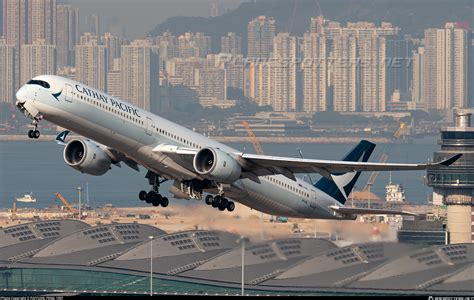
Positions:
{"x": 86, "y": 157}
{"x": 217, "y": 165}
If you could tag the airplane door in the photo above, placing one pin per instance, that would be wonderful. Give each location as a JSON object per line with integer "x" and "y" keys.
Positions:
{"x": 68, "y": 92}
{"x": 149, "y": 126}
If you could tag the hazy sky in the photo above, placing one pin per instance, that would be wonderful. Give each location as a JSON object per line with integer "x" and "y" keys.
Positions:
{"x": 137, "y": 17}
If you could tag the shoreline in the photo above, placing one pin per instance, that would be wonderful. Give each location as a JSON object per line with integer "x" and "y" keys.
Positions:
{"x": 263, "y": 139}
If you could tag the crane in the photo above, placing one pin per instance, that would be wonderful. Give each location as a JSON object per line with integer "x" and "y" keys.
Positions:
{"x": 400, "y": 130}
{"x": 66, "y": 203}
{"x": 253, "y": 139}
{"x": 383, "y": 159}
{"x": 374, "y": 174}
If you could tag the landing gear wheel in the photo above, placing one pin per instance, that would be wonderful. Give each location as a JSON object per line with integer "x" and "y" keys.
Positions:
{"x": 142, "y": 195}
{"x": 164, "y": 202}
{"x": 223, "y": 204}
{"x": 209, "y": 199}
{"x": 217, "y": 201}
{"x": 230, "y": 206}
{"x": 150, "y": 196}
{"x": 156, "y": 200}
{"x": 31, "y": 134}
{"x": 36, "y": 134}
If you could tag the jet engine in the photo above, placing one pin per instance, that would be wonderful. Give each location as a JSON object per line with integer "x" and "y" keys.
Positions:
{"x": 217, "y": 165}
{"x": 86, "y": 157}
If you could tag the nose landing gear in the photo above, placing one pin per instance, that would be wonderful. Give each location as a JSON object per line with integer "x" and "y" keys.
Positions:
{"x": 34, "y": 134}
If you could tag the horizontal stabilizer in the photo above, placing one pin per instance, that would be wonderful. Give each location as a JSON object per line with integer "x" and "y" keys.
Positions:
{"x": 369, "y": 211}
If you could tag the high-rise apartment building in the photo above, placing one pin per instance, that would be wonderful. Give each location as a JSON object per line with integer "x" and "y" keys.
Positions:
{"x": 88, "y": 37}
{"x": 314, "y": 68}
{"x": 417, "y": 89}
{"x": 67, "y": 34}
{"x": 257, "y": 82}
{"x": 372, "y": 82}
{"x": 25, "y": 22}
{"x": 114, "y": 78}
{"x": 168, "y": 44}
{"x": 233, "y": 66}
{"x": 112, "y": 45}
{"x": 234, "y": 69}
{"x": 285, "y": 72}
{"x": 332, "y": 29}
{"x": 344, "y": 72}
{"x": 15, "y": 31}
{"x": 91, "y": 64}
{"x": 261, "y": 31}
{"x": 41, "y": 24}
{"x": 212, "y": 83}
{"x": 36, "y": 59}
{"x": 446, "y": 67}
{"x": 232, "y": 43}
{"x": 193, "y": 45}
{"x": 399, "y": 67}
{"x": 7, "y": 72}
{"x": 185, "y": 69}
{"x": 140, "y": 70}
{"x": 15, "y": 19}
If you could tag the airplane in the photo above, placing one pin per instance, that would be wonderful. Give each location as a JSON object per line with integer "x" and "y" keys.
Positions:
{"x": 112, "y": 131}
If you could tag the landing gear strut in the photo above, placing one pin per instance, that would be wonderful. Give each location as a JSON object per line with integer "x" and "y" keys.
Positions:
{"x": 154, "y": 197}
{"x": 34, "y": 134}
{"x": 220, "y": 203}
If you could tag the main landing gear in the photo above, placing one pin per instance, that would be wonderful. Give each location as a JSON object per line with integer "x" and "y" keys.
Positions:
{"x": 220, "y": 202}
{"x": 154, "y": 197}
{"x": 34, "y": 134}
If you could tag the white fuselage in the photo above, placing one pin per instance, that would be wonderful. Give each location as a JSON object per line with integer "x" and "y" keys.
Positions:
{"x": 136, "y": 132}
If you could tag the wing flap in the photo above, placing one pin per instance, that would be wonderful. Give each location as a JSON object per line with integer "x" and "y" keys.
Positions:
{"x": 181, "y": 155}
{"x": 369, "y": 211}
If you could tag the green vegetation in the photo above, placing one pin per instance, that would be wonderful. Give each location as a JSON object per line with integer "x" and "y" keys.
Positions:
{"x": 413, "y": 16}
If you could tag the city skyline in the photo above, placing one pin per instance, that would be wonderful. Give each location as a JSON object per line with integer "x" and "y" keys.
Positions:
{"x": 353, "y": 67}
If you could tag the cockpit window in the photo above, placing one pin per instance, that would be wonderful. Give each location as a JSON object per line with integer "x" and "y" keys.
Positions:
{"x": 39, "y": 82}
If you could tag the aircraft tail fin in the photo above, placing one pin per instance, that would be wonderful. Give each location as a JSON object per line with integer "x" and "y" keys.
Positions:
{"x": 342, "y": 184}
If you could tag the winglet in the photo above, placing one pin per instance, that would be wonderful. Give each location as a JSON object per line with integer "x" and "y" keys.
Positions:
{"x": 451, "y": 160}
{"x": 61, "y": 138}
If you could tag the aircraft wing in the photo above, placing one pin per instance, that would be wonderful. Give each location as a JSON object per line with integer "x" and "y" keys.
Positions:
{"x": 266, "y": 165}
{"x": 368, "y": 211}
{"x": 254, "y": 165}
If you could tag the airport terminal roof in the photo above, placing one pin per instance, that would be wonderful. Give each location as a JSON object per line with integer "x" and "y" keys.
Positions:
{"x": 340, "y": 266}
{"x": 25, "y": 240}
{"x": 118, "y": 255}
{"x": 91, "y": 246}
{"x": 177, "y": 252}
{"x": 422, "y": 269}
{"x": 262, "y": 260}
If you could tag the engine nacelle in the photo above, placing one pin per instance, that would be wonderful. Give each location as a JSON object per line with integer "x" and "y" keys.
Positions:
{"x": 86, "y": 157}
{"x": 217, "y": 165}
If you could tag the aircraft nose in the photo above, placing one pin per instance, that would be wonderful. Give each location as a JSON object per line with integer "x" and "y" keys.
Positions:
{"x": 22, "y": 95}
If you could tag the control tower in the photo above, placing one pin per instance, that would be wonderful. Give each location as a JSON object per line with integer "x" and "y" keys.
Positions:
{"x": 453, "y": 186}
